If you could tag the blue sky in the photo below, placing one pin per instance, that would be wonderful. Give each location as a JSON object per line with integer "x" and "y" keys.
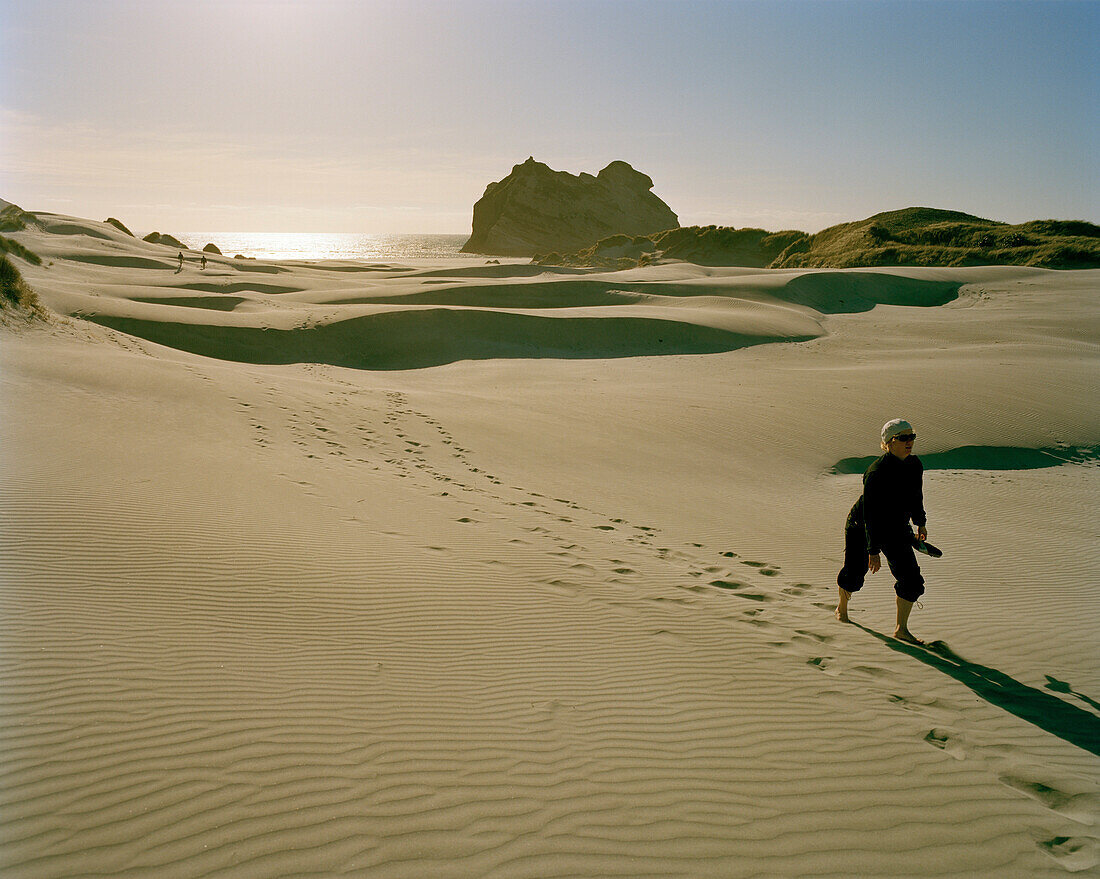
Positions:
{"x": 365, "y": 116}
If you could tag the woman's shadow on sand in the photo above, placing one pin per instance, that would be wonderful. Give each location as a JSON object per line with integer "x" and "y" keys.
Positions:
{"x": 1068, "y": 722}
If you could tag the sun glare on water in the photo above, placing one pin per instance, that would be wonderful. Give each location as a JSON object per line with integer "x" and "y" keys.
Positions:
{"x": 329, "y": 245}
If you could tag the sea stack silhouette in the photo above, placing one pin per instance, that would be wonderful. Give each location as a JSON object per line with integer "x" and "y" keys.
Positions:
{"x": 536, "y": 209}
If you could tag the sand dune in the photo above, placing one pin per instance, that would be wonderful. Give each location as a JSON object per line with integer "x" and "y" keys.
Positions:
{"x": 441, "y": 575}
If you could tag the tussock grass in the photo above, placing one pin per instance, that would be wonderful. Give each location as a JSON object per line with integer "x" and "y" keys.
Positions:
{"x": 15, "y": 294}
{"x": 14, "y": 219}
{"x": 7, "y": 245}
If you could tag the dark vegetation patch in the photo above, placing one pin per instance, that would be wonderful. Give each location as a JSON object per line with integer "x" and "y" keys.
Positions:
{"x": 928, "y": 237}
{"x": 910, "y": 237}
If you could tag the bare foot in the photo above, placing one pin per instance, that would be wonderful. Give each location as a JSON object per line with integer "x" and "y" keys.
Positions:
{"x": 842, "y": 607}
{"x": 908, "y": 637}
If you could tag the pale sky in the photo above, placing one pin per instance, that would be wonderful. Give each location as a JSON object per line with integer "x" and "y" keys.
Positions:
{"x": 373, "y": 116}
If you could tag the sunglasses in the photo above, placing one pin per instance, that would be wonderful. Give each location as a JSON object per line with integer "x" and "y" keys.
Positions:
{"x": 905, "y": 437}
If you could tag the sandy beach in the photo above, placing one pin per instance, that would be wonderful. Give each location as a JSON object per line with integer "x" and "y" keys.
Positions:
{"x": 460, "y": 570}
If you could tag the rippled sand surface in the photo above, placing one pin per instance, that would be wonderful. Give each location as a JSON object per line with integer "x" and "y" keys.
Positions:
{"x": 406, "y": 570}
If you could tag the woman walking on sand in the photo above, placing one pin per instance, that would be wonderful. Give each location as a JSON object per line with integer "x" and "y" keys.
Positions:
{"x": 879, "y": 525}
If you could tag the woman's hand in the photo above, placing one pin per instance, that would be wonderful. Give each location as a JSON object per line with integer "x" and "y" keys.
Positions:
{"x": 874, "y": 563}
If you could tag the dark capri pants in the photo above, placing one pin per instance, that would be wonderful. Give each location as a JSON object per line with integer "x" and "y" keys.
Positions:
{"x": 909, "y": 584}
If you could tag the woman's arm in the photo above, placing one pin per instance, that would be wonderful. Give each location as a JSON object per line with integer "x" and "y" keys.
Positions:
{"x": 918, "y": 515}
{"x": 874, "y": 499}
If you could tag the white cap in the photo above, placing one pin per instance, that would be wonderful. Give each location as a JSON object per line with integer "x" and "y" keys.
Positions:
{"x": 892, "y": 428}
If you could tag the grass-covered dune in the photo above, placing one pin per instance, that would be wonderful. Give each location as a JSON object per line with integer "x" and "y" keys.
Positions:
{"x": 8, "y": 245}
{"x": 704, "y": 245}
{"x": 15, "y": 295}
{"x": 910, "y": 237}
{"x": 13, "y": 218}
{"x": 930, "y": 237}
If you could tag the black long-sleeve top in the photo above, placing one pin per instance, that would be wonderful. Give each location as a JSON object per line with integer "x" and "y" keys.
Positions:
{"x": 893, "y": 495}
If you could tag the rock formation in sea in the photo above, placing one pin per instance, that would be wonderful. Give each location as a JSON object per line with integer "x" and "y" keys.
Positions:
{"x": 164, "y": 238}
{"x": 536, "y": 209}
{"x": 118, "y": 224}
{"x": 212, "y": 248}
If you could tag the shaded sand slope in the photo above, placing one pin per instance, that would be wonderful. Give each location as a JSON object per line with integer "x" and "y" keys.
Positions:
{"x": 409, "y": 339}
{"x": 543, "y": 615}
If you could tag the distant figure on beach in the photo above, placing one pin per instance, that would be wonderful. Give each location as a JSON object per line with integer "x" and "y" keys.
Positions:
{"x": 180, "y": 267}
{"x": 878, "y": 524}
{"x": 202, "y": 262}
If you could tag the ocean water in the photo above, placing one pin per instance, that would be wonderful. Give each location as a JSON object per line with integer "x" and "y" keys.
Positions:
{"x": 331, "y": 245}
